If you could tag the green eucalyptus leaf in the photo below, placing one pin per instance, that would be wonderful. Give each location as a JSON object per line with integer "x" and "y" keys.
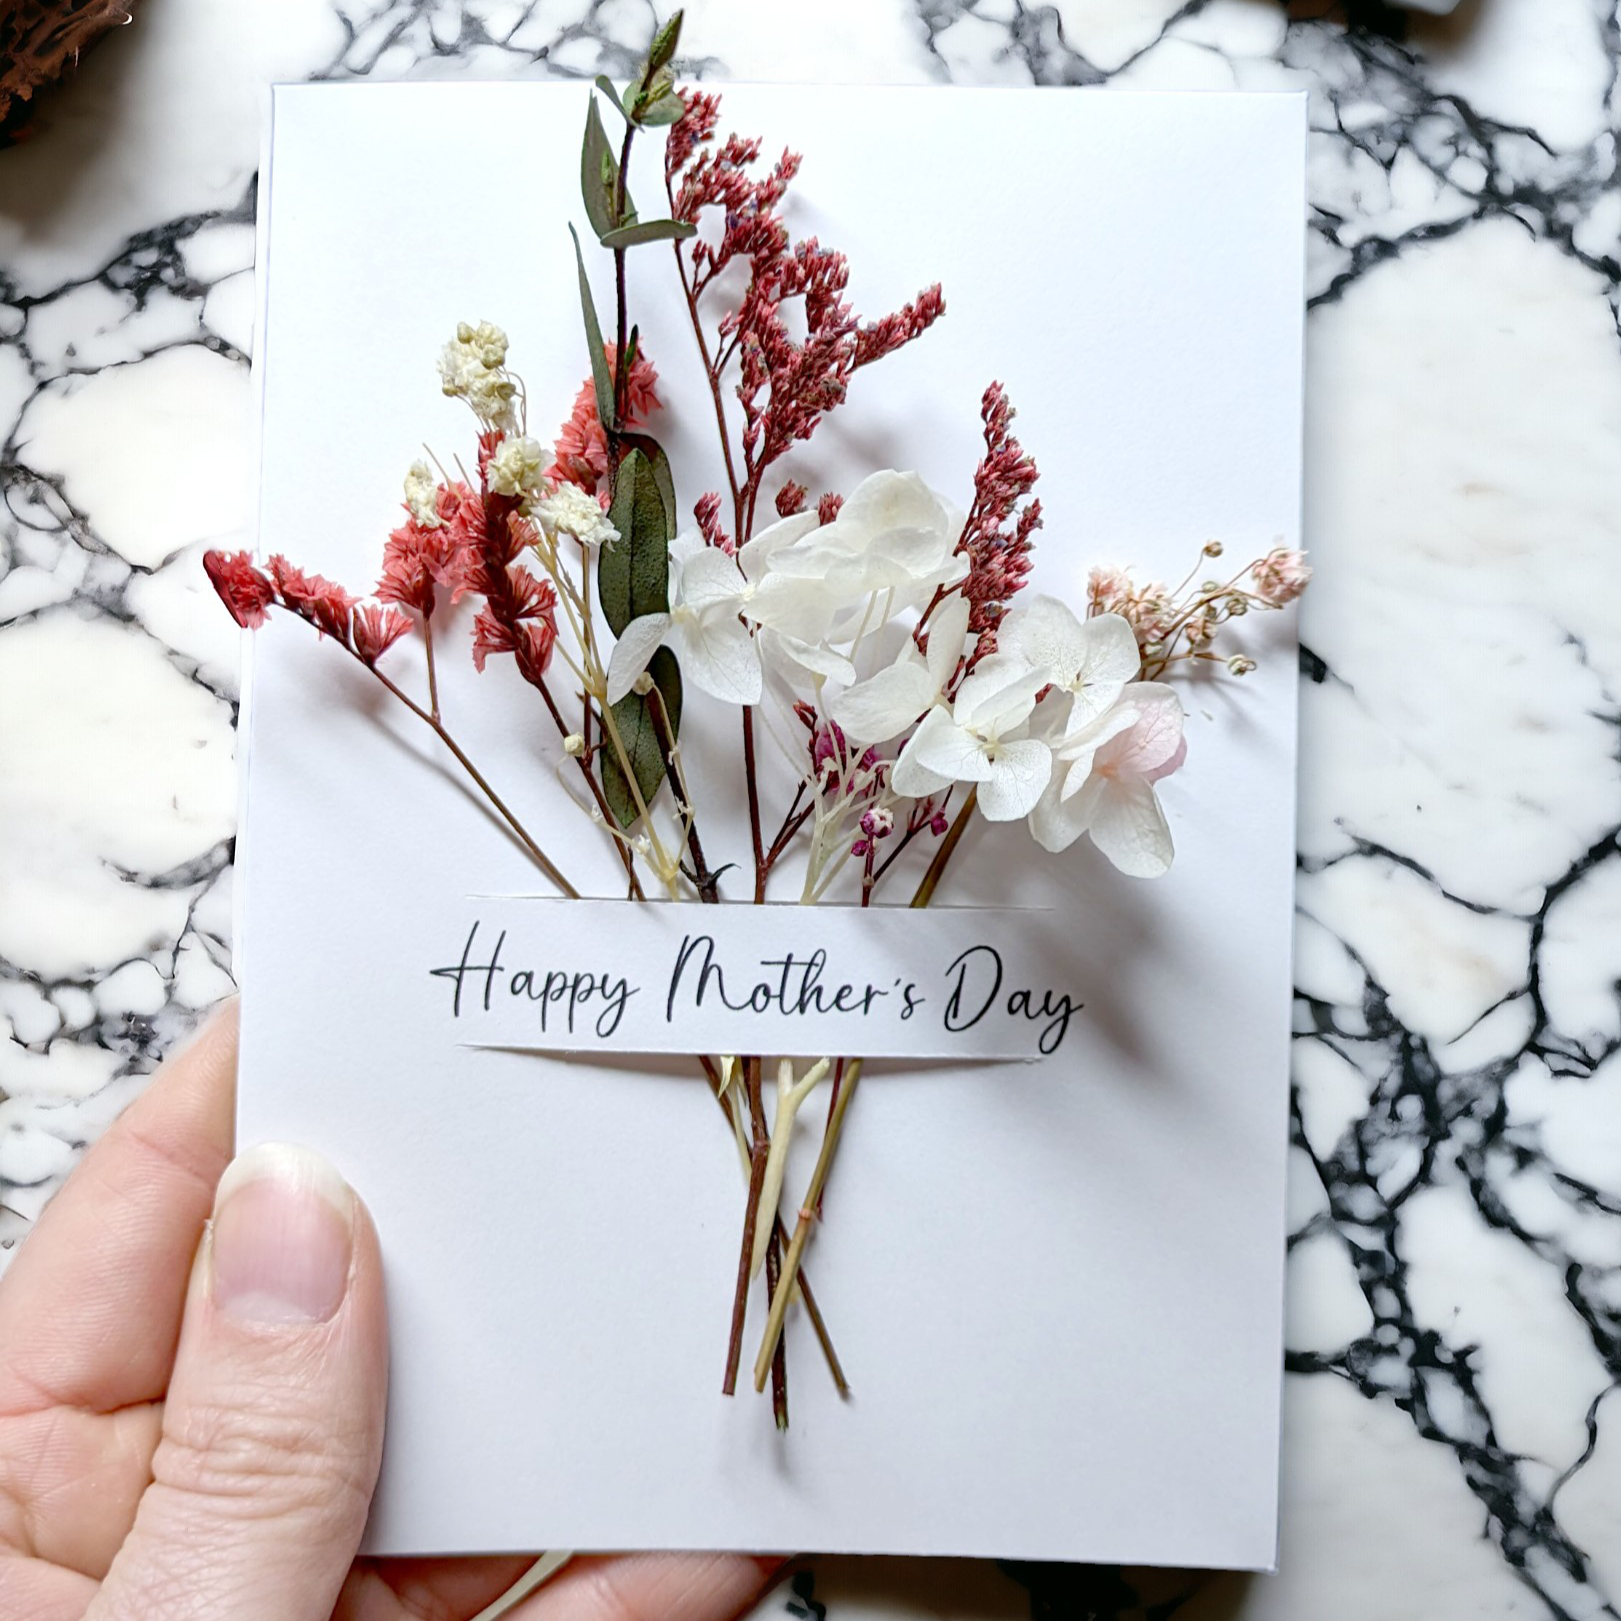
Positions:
{"x": 599, "y": 174}
{"x": 633, "y": 577}
{"x": 664, "y": 109}
{"x": 601, "y": 380}
{"x": 662, "y": 50}
{"x": 662, "y": 476}
{"x": 639, "y": 732}
{"x": 606, "y": 86}
{"x": 630, "y": 236}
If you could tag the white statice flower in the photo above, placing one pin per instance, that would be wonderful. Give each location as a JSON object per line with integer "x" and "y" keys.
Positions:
{"x": 515, "y": 468}
{"x": 422, "y": 495}
{"x": 569, "y": 510}
{"x": 473, "y": 368}
{"x": 888, "y": 701}
{"x": 982, "y": 738}
{"x": 1092, "y": 659}
{"x": 713, "y": 645}
{"x": 1103, "y": 781}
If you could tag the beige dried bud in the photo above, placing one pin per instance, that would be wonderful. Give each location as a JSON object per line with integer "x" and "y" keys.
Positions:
{"x": 642, "y": 685}
{"x": 1239, "y": 665}
{"x": 574, "y": 745}
{"x": 1213, "y": 548}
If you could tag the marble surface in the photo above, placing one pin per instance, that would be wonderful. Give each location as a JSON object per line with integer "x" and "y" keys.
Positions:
{"x": 1453, "y": 1428}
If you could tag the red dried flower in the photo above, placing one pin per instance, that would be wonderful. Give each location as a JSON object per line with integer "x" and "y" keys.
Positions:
{"x": 791, "y": 499}
{"x": 827, "y": 509}
{"x": 242, "y": 587}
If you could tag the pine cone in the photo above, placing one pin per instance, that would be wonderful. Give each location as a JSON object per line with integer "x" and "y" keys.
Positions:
{"x": 39, "y": 41}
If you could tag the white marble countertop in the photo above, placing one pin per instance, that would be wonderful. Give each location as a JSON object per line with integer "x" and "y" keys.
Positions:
{"x": 1454, "y": 1339}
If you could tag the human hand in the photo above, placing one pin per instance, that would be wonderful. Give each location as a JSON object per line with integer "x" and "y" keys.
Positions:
{"x": 191, "y": 1412}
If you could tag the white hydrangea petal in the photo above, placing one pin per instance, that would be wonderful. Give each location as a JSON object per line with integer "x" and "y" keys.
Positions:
{"x": 710, "y": 580}
{"x": 1019, "y": 774}
{"x": 910, "y": 776}
{"x": 1055, "y": 822}
{"x": 756, "y": 555}
{"x": 948, "y": 630}
{"x": 1109, "y": 660}
{"x": 1001, "y": 690}
{"x": 1156, "y": 733}
{"x": 788, "y": 654}
{"x": 718, "y": 655}
{"x": 637, "y": 644}
{"x": 947, "y": 750}
{"x": 1045, "y": 632}
{"x": 885, "y": 704}
{"x": 1129, "y": 827}
{"x": 886, "y": 501}
{"x": 1080, "y": 747}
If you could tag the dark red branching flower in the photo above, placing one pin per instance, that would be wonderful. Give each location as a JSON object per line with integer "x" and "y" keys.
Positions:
{"x": 827, "y": 509}
{"x": 706, "y": 510}
{"x": 519, "y": 614}
{"x": 997, "y": 536}
{"x": 791, "y": 499}
{"x": 786, "y": 385}
{"x": 580, "y": 455}
{"x": 366, "y": 630}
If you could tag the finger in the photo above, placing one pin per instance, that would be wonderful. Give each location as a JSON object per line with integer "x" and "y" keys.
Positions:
{"x": 653, "y": 1587}
{"x": 274, "y": 1421}
{"x": 90, "y": 1309}
{"x": 409, "y": 1589}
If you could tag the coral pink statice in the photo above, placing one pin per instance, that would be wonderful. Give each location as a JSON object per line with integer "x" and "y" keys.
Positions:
{"x": 241, "y": 586}
{"x": 580, "y": 455}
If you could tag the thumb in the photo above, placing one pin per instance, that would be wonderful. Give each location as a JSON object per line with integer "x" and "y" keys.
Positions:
{"x": 273, "y": 1424}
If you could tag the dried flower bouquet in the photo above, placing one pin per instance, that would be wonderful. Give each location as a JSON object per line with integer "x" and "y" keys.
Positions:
{"x": 883, "y": 640}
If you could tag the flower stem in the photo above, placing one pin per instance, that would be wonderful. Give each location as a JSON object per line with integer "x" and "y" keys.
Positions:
{"x": 707, "y": 883}
{"x": 754, "y": 805}
{"x": 783, "y": 1287}
{"x": 948, "y": 847}
{"x": 539, "y": 856}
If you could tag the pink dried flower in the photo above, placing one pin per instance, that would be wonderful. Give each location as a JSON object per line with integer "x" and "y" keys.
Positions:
{"x": 376, "y": 629}
{"x": 313, "y": 597}
{"x": 580, "y": 455}
{"x": 791, "y": 499}
{"x": 1148, "y": 609}
{"x": 1280, "y": 576}
{"x": 242, "y": 587}
{"x": 827, "y": 509}
{"x": 520, "y": 617}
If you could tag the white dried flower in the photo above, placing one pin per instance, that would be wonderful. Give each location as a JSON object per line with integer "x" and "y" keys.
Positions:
{"x": 569, "y": 510}
{"x": 422, "y": 495}
{"x": 515, "y": 468}
{"x": 574, "y": 745}
{"x": 472, "y": 368}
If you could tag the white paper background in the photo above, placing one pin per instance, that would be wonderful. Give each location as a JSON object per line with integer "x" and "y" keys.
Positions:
{"x": 1058, "y": 1296}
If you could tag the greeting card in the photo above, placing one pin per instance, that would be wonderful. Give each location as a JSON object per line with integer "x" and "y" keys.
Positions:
{"x": 769, "y": 774}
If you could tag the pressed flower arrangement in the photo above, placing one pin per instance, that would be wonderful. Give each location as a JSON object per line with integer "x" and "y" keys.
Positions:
{"x": 883, "y": 640}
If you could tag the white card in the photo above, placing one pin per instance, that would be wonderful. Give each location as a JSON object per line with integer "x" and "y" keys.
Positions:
{"x": 1055, "y": 1286}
